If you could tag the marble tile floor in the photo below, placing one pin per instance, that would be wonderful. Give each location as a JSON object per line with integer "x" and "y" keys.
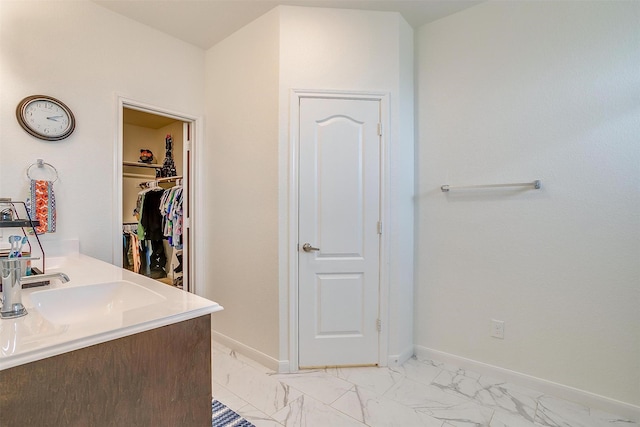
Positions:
{"x": 419, "y": 393}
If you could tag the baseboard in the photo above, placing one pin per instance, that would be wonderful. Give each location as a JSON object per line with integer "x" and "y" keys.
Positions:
{"x": 398, "y": 359}
{"x": 562, "y": 391}
{"x": 251, "y": 352}
{"x": 284, "y": 367}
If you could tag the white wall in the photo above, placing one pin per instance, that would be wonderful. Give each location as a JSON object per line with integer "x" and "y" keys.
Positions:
{"x": 241, "y": 184}
{"x": 85, "y": 56}
{"x": 248, "y": 83}
{"x": 349, "y": 50}
{"x": 517, "y": 91}
{"x": 402, "y": 206}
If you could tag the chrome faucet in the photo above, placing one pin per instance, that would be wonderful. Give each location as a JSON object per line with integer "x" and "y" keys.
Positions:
{"x": 12, "y": 281}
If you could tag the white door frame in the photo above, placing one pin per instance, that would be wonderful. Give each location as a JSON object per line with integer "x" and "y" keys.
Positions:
{"x": 193, "y": 251}
{"x": 294, "y": 152}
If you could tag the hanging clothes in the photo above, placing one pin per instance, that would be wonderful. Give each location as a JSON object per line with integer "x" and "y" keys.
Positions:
{"x": 130, "y": 247}
{"x": 135, "y": 252}
{"x": 130, "y": 250}
{"x": 137, "y": 212}
{"x": 151, "y": 218}
{"x": 160, "y": 215}
{"x": 150, "y": 232}
{"x": 171, "y": 211}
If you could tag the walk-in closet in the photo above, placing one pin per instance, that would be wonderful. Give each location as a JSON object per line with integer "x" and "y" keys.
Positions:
{"x": 154, "y": 196}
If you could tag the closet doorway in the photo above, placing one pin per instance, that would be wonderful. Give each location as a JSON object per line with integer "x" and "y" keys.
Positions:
{"x": 155, "y": 162}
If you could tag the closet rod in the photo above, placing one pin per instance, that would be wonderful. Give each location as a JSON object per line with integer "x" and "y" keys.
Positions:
{"x": 168, "y": 179}
{"x": 534, "y": 185}
{"x": 159, "y": 180}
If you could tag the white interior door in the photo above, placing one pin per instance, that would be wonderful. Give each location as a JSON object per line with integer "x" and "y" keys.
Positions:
{"x": 339, "y": 214}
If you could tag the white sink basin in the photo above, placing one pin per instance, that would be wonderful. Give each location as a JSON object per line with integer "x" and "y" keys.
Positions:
{"x": 90, "y": 303}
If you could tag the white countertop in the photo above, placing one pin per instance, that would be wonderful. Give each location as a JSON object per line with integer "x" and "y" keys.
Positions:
{"x": 33, "y": 337}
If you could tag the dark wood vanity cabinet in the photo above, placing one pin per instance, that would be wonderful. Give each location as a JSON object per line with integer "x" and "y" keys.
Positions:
{"x": 160, "y": 377}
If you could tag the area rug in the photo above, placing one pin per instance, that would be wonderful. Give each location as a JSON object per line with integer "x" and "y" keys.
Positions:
{"x": 221, "y": 416}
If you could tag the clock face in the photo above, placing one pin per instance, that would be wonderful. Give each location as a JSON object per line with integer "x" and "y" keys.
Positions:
{"x": 45, "y": 118}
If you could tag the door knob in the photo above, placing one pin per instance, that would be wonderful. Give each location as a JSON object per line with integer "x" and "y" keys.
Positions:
{"x": 308, "y": 248}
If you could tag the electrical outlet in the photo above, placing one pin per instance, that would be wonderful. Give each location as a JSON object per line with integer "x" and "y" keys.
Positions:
{"x": 497, "y": 328}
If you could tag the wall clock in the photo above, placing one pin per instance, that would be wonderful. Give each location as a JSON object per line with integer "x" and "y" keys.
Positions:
{"x": 45, "y": 117}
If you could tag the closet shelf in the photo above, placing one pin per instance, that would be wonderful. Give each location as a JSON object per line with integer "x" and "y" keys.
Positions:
{"x": 142, "y": 165}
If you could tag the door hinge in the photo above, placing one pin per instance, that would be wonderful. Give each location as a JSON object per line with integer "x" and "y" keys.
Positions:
{"x": 379, "y": 227}
{"x": 379, "y": 129}
{"x": 379, "y": 325}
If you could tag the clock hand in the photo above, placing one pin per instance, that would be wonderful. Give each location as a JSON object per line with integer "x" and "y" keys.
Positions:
{"x": 54, "y": 118}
